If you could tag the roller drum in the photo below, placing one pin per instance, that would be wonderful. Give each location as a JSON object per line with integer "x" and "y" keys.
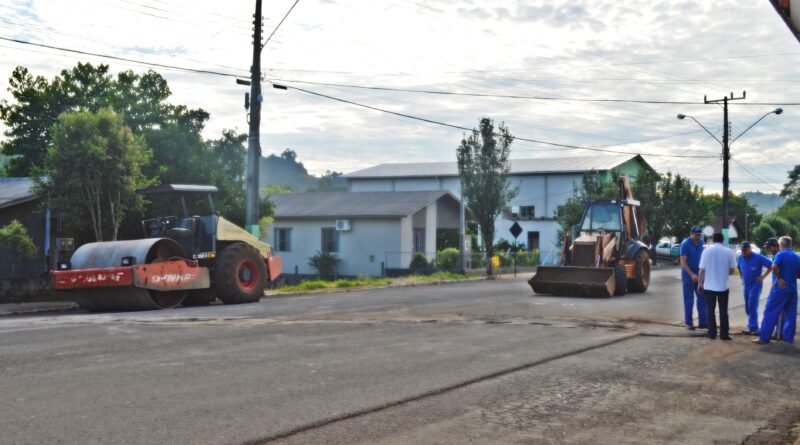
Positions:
{"x": 128, "y": 298}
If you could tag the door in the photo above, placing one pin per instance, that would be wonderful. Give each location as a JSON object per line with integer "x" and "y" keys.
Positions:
{"x": 533, "y": 240}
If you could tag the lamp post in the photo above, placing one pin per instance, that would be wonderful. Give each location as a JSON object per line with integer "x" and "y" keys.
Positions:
{"x": 726, "y": 154}
{"x": 746, "y": 226}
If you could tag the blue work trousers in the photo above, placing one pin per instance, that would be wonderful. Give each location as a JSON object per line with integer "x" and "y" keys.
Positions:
{"x": 752, "y": 295}
{"x": 690, "y": 296}
{"x": 779, "y": 300}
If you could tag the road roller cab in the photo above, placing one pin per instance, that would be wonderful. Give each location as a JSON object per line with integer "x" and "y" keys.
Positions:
{"x": 189, "y": 260}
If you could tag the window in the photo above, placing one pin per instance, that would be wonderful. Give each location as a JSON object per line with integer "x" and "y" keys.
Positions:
{"x": 283, "y": 239}
{"x": 602, "y": 216}
{"x": 330, "y": 239}
{"x": 419, "y": 240}
{"x": 527, "y": 211}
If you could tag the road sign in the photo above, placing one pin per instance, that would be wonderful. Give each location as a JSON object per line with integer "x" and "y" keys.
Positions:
{"x": 515, "y": 230}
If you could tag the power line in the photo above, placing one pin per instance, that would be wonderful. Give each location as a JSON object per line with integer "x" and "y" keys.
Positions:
{"x": 458, "y": 127}
{"x": 124, "y": 59}
{"x": 280, "y": 23}
{"x": 753, "y": 174}
{"x": 508, "y": 96}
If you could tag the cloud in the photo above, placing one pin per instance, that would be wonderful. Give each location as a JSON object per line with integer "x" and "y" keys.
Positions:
{"x": 667, "y": 50}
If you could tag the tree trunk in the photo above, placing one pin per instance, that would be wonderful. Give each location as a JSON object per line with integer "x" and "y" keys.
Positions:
{"x": 488, "y": 242}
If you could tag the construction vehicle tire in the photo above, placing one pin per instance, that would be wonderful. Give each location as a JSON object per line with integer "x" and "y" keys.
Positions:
{"x": 620, "y": 280}
{"x": 240, "y": 274}
{"x": 641, "y": 272}
{"x": 200, "y": 297}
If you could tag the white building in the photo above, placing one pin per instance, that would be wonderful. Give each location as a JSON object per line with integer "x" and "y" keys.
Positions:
{"x": 544, "y": 185}
{"x": 368, "y": 231}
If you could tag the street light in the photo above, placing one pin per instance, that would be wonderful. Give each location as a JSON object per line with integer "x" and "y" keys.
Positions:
{"x": 683, "y": 116}
{"x": 725, "y": 142}
{"x": 777, "y": 111}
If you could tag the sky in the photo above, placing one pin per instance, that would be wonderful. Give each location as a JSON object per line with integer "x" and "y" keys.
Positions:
{"x": 568, "y": 49}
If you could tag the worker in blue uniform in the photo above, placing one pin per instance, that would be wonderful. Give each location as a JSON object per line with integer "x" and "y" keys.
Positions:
{"x": 691, "y": 250}
{"x": 773, "y": 248}
{"x": 753, "y": 268}
{"x": 783, "y": 295}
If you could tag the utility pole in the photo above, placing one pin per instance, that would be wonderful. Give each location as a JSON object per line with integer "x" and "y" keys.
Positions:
{"x": 726, "y": 152}
{"x": 253, "y": 139}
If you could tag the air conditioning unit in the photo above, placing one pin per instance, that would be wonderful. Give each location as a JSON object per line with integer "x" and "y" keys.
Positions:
{"x": 343, "y": 225}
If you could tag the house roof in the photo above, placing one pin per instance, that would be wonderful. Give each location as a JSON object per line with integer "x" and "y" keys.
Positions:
{"x": 518, "y": 167}
{"x": 15, "y": 191}
{"x": 354, "y": 204}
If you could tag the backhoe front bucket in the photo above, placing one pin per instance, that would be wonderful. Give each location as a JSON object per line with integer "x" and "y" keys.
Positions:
{"x": 574, "y": 281}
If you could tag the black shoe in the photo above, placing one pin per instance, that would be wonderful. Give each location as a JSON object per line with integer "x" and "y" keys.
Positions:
{"x": 703, "y": 326}
{"x": 691, "y": 328}
{"x": 726, "y": 337}
{"x": 712, "y": 337}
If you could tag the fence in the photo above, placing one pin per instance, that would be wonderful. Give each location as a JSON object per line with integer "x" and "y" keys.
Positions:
{"x": 450, "y": 260}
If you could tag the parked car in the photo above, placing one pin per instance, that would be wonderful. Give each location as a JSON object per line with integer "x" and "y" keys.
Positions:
{"x": 668, "y": 251}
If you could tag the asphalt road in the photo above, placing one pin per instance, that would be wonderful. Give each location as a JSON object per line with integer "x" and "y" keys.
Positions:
{"x": 478, "y": 362}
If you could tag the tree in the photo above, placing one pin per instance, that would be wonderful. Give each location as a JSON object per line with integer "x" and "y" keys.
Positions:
{"x": 92, "y": 169}
{"x": 780, "y": 226}
{"x": 38, "y": 102}
{"x": 738, "y": 207}
{"x": 680, "y": 203}
{"x": 791, "y": 190}
{"x": 15, "y": 236}
{"x": 329, "y": 182}
{"x": 180, "y": 154}
{"x": 289, "y": 155}
{"x": 483, "y": 168}
{"x": 763, "y": 232}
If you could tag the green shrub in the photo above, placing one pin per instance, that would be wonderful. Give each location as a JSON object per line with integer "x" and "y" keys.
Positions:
{"x": 762, "y": 233}
{"x": 505, "y": 260}
{"x": 418, "y": 261}
{"x": 780, "y": 226}
{"x": 15, "y": 236}
{"x": 448, "y": 259}
{"x": 312, "y": 285}
{"x": 528, "y": 258}
{"x": 502, "y": 245}
{"x": 325, "y": 264}
{"x": 478, "y": 260}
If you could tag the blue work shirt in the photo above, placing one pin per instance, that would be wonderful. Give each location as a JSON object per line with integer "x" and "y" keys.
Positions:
{"x": 692, "y": 253}
{"x": 752, "y": 268}
{"x": 788, "y": 264}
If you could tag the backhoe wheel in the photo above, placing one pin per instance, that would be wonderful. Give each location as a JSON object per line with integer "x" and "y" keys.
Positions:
{"x": 620, "y": 280}
{"x": 641, "y": 272}
{"x": 240, "y": 274}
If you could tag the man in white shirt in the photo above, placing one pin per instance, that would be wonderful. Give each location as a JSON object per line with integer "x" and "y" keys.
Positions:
{"x": 716, "y": 264}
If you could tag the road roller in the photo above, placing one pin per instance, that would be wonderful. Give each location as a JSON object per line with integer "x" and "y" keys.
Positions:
{"x": 607, "y": 257}
{"x": 188, "y": 260}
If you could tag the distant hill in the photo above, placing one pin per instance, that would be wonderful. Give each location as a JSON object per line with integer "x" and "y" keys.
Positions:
{"x": 764, "y": 202}
{"x": 285, "y": 170}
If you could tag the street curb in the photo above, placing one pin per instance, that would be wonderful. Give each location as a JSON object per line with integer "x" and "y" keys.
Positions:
{"x": 270, "y": 296}
{"x": 363, "y": 288}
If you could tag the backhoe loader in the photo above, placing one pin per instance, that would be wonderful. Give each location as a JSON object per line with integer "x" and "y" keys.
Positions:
{"x": 607, "y": 257}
